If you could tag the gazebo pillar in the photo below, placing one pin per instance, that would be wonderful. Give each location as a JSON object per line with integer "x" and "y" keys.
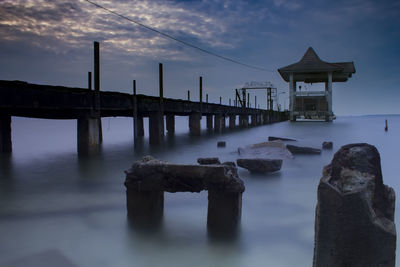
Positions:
{"x": 291, "y": 96}
{"x": 328, "y": 89}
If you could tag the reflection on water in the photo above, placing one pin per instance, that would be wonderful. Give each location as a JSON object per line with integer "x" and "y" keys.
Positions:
{"x": 72, "y": 210}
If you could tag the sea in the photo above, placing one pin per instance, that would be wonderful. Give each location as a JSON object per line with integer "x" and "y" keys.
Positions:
{"x": 58, "y": 209}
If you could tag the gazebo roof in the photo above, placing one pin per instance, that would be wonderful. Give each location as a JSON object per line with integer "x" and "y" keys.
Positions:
{"x": 312, "y": 69}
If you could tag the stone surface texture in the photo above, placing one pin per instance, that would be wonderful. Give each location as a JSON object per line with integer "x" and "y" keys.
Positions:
{"x": 208, "y": 161}
{"x": 150, "y": 174}
{"x": 260, "y": 165}
{"x": 303, "y": 150}
{"x": 327, "y": 145}
{"x": 354, "y": 224}
{"x": 266, "y": 150}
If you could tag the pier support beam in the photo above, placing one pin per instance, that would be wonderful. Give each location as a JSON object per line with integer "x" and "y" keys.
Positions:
{"x": 209, "y": 122}
{"x": 217, "y": 123}
{"x": 145, "y": 208}
{"x": 232, "y": 121}
{"x": 224, "y": 212}
{"x": 194, "y": 123}
{"x": 5, "y": 133}
{"x": 156, "y": 128}
{"x": 253, "y": 120}
{"x": 223, "y": 122}
{"x": 88, "y": 135}
{"x": 140, "y": 126}
{"x": 244, "y": 121}
{"x": 170, "y": 121}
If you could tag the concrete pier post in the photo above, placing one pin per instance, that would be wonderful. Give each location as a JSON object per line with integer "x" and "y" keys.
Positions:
{"x": 232, "y": 121}
{"x": 217, "y": 123}
{"x": 224, "y": 213}
{"x": 253, "y": 120}
{"x": 209, "y": 122}
{"x": 88, "y": 135}
{"x": 145, "y": 208}
{"x": 170, "y": 121}
{"x": 223, "y": 122}
{"x": 140, "y": 126}
{"x": 194, "y": 123}
{"x": 5, "y": 133}
{"x": 244, "y": 121}
{"x": 156, "y": 128}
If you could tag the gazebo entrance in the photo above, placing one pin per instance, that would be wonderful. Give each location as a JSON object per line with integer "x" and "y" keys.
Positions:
{"x": 311, "y": 69}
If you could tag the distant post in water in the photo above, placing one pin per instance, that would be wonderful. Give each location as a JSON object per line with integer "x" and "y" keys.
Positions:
{"x": 386, "y": 126}
{"x": 255, "y": 101}
{"x": 220, "y": 100}
{"x": 201, "y": 89}
{"x": 206, "y": 98}
{"x": 248, "y": 99}
{"x": 229, "y": 101}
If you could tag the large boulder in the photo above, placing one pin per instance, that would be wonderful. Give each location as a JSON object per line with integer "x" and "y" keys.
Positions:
{"x": 303, "y": 150}
{"x": 266, "y": 150}
{"x": 354, "y": 224}
{"x": 327, "y": 145}
{"x": 260, "y": 165}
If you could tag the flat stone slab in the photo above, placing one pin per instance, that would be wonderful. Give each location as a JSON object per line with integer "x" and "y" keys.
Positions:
{"x": 274, "y": 138}
{"x": 303, "y": 150}
{"x": 208, "y": 161}
{"x": 150, "y": 174}
{"x": 266, "y": 150}
{"x": 354, "y": 221}
{"x": 260, "y": 165}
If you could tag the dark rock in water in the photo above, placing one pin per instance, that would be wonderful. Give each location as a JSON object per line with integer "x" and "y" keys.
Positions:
{"x": 273, "y": 138}
{"x": 208, "y": 161}
{"x": 229, "y": 163}
{"x": 260, "y": 165}
{"x": 327, "y": 145}
{"x": 354, "y": 224}
{"x": 303, "y": 150}
{"x": 221, "y": 144}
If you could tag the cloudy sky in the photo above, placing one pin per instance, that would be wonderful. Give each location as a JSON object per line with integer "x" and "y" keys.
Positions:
{"x": 51, "y": 42}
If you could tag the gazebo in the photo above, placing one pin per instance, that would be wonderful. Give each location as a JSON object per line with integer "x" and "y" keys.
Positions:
{"x": 311, "y": 69}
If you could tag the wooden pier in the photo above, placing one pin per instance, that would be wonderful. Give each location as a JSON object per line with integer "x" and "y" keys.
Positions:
{"x": 88, "y": 106}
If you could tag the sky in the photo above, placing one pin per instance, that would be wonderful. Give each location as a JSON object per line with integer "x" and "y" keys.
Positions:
{"x": 51, "y": 42}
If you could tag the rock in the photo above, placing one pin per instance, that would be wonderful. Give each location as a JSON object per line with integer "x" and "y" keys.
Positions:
{"x": 260, "y": 165}
{"x": 208, "y": 161}
{"x": 273, "y": 138}
{"x": 327, "y": 145}
{"x": 303, "y": 150}
{"x": 229, "y": 163}
{"x": 221, "y": 144}
{"x": 266, "y": 150}
{"x": 354, "y": 224}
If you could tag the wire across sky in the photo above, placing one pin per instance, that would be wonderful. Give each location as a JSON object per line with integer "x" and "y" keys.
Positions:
{"x": 165, "y": 35}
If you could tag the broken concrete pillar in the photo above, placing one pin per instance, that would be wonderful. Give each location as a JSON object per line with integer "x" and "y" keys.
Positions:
{"x": 223, "y": 122}
{"x": 140, "y": 126}
{"x": 88, "y": 128}
{"x": 156, "y": 128}
{"x": 194, "y": 123}
{"x": 354, "y": 224}
{"x": 232, "y": 121}
{"x": 5, "y": 133}
{"x": 147, "y": 179}
{"x": 218, "y": 123}
{"x": 209, "y": 122}
{"x": 170, "y": 121}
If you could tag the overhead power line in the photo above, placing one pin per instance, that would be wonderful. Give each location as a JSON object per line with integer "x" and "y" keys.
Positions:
{"x": 165, "y": 35}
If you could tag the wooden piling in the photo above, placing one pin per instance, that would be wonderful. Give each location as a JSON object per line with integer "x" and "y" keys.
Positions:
{"x": 206, "y": 98}
{"x": 96, "y": 66}
{"x": 386, "y": 126}
{"x": 188, "y": 95}
{"x": 194, "y": 123}
{"x": 232, "y": 121}
{"x": 209, "y": 122}
{"x": 218, "y": 123}
{"x": 170, "y": 122}
{"x": 89, "y": 80}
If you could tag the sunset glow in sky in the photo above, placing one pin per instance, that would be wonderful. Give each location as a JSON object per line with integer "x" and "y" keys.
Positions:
{"x": 51, "y": 42}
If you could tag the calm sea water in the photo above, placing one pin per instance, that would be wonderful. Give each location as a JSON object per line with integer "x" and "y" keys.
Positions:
{"x": 61, "y": 210}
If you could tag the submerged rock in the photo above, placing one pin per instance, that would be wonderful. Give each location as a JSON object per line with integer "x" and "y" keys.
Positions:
{"x": 303, "y": 150}
{"x": 260, "y": 165}
{"x": 354, "y": 224}
{"x": 266, "y": 150}
{"x": 221, "y": 144}
{"x": 274, "y": 138}
{"x": 327, "y": 145}
{"x": 208, "y": 161}
{"x": 229, "y": 163}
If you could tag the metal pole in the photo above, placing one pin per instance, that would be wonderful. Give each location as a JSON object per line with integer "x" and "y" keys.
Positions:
{"x": 188, "y": 95}
{"x": 96, "y": 66}
{"x": 134, "y": 87}
{"x": 161, "y": 85}
{"x": 89, "y": 80}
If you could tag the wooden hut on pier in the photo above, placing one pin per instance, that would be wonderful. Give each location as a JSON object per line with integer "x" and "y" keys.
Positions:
{"x": 311, "y": 69}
